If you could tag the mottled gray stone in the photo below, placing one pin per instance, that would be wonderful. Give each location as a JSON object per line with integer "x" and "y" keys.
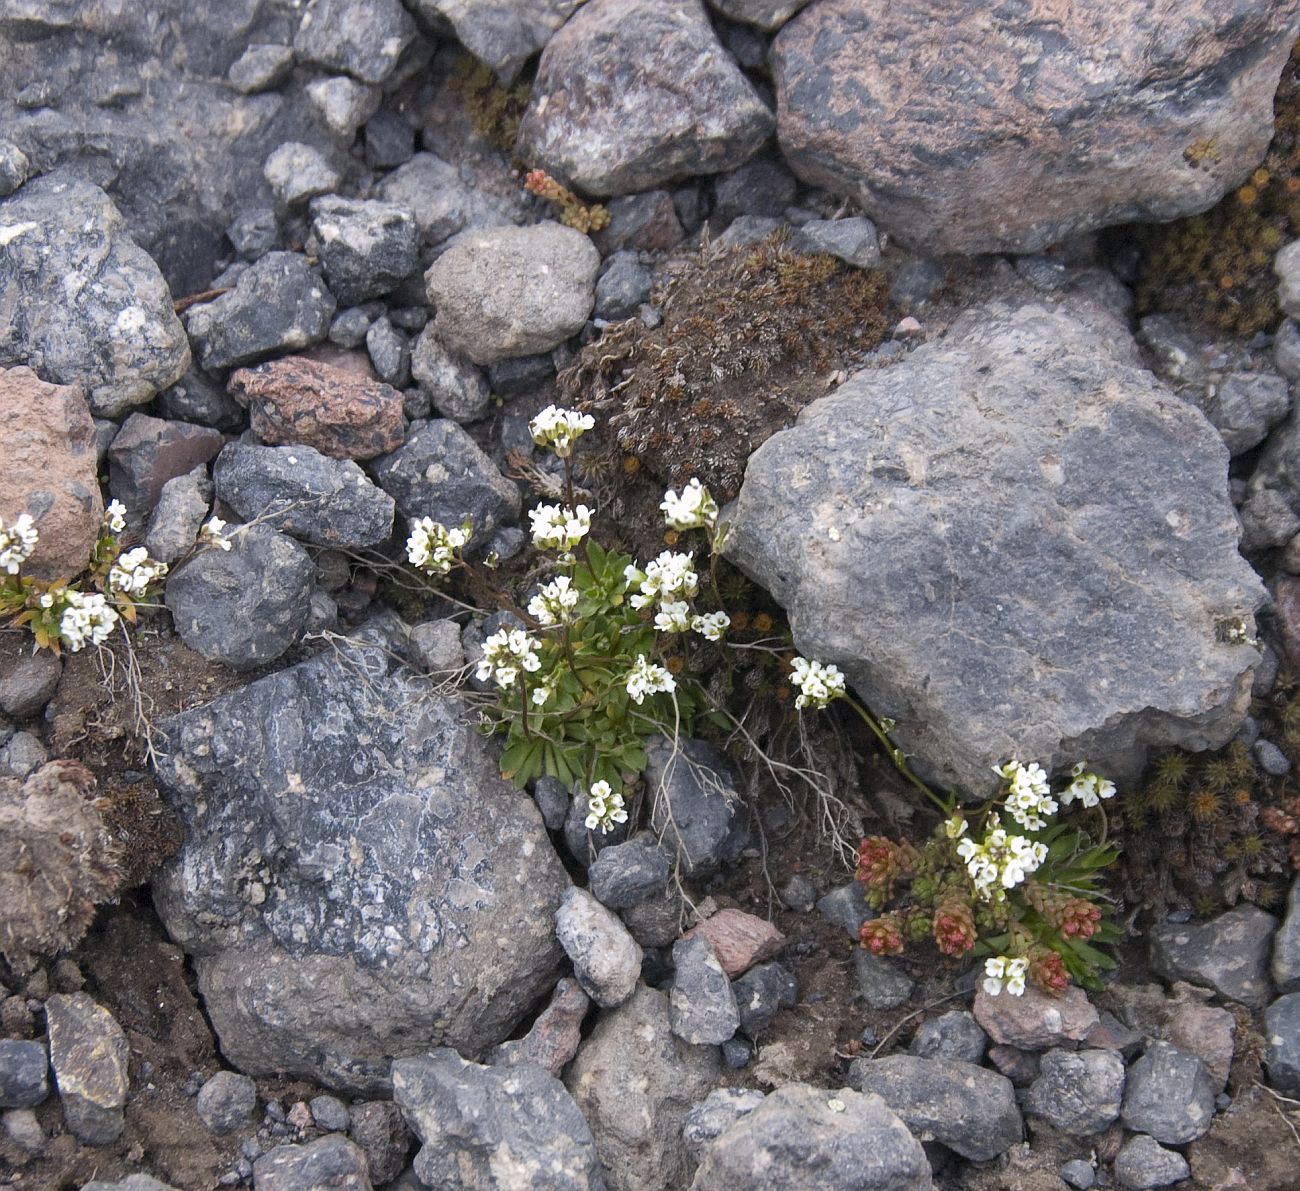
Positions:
{"x": 89, "y": 1054}
{"x": 349, "y": 839}
{"x": 622, "y": 287}
{"x": 695, "y": 805}
{"x": 1245, "y": 406}
{"x": 390, "y": 353}
{"x": 366, "y": 248}
{"x": 702, "y": 1006}
{"x": 197, "y": 398}
{"x": 881, "y": 983}
{"x": 298, "y": 172}
{"x": 27, "y": 682}
{"x": 761, "y": 993}
{"x": 390, "y": 141}
{"x": 226, "y": 1102}
{"x": 442, "y": 202}
{"x": 1168, "y": 1095}
{"x": 83, "y": 304}
{"x": 854, "y": 240}
{"x": 1144, "y": 1163}
{"x": 626, "y": 874}
{"x": 1078, "y": 1173}
{"x": 762, "y": 186}
{"x": 24, "y": 1073}
{"x": 365, "y": 38}
{"x": 969, "y": 1109}
{"x": 606, "y": 959}
{"x": 846, "y": 906}
{"x": 502, "y": 33}
{"x": 22, "y": 754}
{"x": 379, "y": 1128}
{"x": 1079, "y": 1092}
{"x": 261, "y": 68}
{"x": 147, "y": 452}
{"x": 1286, "y": 945}
{"x": 1229, "y": 954}
{"x": 766, "y": 14}
{"x": 329, "y": 1113}
{"x": 14, "y": 168}
{"x": 179, "y": 515}
{"x": 456, "y": 387}
{"x": 330, "y": 1162}
{"x": 1286, "y": 349}
{"x": 1282, "y": 1038}
{"x": 715, "y": 1114}
{"x": 952, "y": 1035}
{"x": 950, "y": 586}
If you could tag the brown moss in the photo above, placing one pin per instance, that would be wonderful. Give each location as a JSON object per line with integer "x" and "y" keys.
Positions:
{"x": 494, "y": 110}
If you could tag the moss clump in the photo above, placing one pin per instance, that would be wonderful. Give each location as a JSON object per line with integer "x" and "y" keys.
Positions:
{"x": 747, "y": 336}
{"x": 1216, "y": 267}
{"x": 494, "y": 110}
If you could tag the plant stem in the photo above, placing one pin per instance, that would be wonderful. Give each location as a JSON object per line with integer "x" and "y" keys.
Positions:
{"x": 895, "y": 755}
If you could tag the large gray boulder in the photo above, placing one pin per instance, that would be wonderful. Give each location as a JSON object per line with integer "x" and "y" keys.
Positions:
{"x": 1018, "y": 125}
{"x": 80, "y": 302}
{"x": 633, "y": 94}
{"x": 357, "y": 881}
{"x": 1014, "y": 543}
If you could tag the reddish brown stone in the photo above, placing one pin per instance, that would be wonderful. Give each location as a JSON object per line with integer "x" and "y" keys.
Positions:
{"x": 555, "y": 1035}
{"x": 1035, "y": 1020}
{"x": 296, "y": 400}
{"x": 740, "y": 940}
{"x": 47, "y": 442}
{"x": 148, "y": 452}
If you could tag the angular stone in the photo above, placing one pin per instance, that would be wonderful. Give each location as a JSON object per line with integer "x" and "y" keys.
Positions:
{"x": 1014, "y": 149}
{"x": 761, "y": 993}
{"x": 365, "y": 38}
{"x": 740, "y": 940}
{"x": 633, "y": 94}
{"x": 853, "y": 241}
{"x": 702, "y": 1006}
{"x": 27, "y": 680}
{"x": 24, "y": 1073}
{"x": 1286, "y": 945}
{"x": 331, "y": 1162}
{"x": 645, "y": 222}
{"x": 1074, "y": 475}
{"x": 1245, "y": 406}
{"x": 378, "y": 1127}
{"x": 1078, "y": 1092}
{"x": 1168, "y": 1095}
{"x": 504, "y": 34}
{"x": 226, "y": 1102}
{"x": 442, "y": 202}
{"x": 298, "y": 172}
{"x": 344, "y": 104}
{"x": 1036, "y": 1020}
{"x": 969, "y": 1109}
{"x": 1144, "y": 1163}
{"x": 513, "y": 1128}
{"x": 455, "y": 386}
{"x": 606, "y": 959}
{"x": 810, "y": 1139}
{"x": 555, "y": 1036}
{"x": 1229, "y": 954}
{"x": 715, "y": 1114}
{"x": 622, "y": 287}
{"x": 297, "y": 400}
{"x": 766, "y": 14}
{"x": 627, "y": 874}
{"x": 15, "y": 168}
{"x": 197, "y": 398}
{"x": 147, "y": 452}
{"x": 513, "y": 291}
{"x": 82, "y": 304}
{"x": 278, "y": 304}
{"x": 89, "y": 1054}
{"x": 1206, "y": 1031}
{"x": 1282, "y": 1038}
{"x": 882, "y": 985}
{"x": 634, "y": 1081}
{"x": 179, "y": 515}
{"x": 695, "y": 805}
{"x": 390, "y": 353}
{"x": 846, "y": 907}
{"x": 366, "y": 248}
{"x": 261, "y": 68}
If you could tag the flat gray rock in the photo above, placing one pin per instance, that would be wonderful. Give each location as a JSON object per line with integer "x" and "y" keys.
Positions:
{"x": 357, "y": 881}
{"x": 1168, "y": 1094}
{"x": 975, "y": 595}
{"x": 1079, "y": 1092}
{"x": 1229, "y": 954}
{"x": 504, "y": 34}
{"x": 702, "y": 1006}
{"x": 1286, "y": 945}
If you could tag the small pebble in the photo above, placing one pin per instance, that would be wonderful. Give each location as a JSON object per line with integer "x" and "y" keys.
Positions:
{"x": 1272, "y": 760}
{"x": 1079, "y": 1173}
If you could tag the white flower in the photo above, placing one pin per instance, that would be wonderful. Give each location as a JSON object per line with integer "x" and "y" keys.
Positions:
{"x": 558, "y": 528}
{"x": 1004, "y": 968}
{"x": 558, "y": 428}
{"x": 213, "y": 533}
{"x": 604, "y": 808}
{"x": 1087, "y": 788}
{"x": 954, "y": 828}
{"x": 115, "y": 516}
{"x": 1001, "y": 862}
{"x": 505, "y": 653}
{"x": 818, "y": 685}
{"x": 17, "y": 543}
{"x": 134, "y": 571}
{"x": 712, "y": 625}
{"x": 645, "y": 678}
{"x": 432, "y": 547}
{"x": 85, "y": 618}
{"x": 674, "y": 616}
{"x": 694, "y": 509}
{"x": 554, "y": 602}
{"x": 671, "y": 576}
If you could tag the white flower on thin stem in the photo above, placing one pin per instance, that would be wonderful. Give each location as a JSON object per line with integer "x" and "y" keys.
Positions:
{"x": 554, "y": 602}
{"x": 559, "y": 429}
{"x": 134, "y": 572}
{"x": 1005, "y": 971}
{"x": 115, "y": 516}
{"x": 559, "y": 528}
{"x": 213, "y": 533}
{"x": 711, "y": 625}
{"x": 674, "y": 616}
{"x": 646, "y": 678}
{"x": 505, "y": 653}
{"x": 604, "y": 808}
{"x": 695, "y": 508}
{"x": 1087, "y": 788}
{"x": 432, "y": 547}
{"x": 17, "y": 543}
{"x": 818, "y": 685}
{"x": 86, "y": 618}
{"x": 671, "y": 576}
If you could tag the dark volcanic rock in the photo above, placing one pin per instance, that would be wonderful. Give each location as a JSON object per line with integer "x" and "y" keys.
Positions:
{"x": 365, "y": 38}
{"x": 501, "y": 33}
{"x": 366, "y": 248}
{"x": 330, "y": 1162}
{"x": 147, "y": 452}
{"x": 1229, "y": 954}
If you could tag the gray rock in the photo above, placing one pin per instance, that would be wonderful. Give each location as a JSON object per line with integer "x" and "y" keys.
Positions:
{"x": 811, "y": 1139}
{"x": 89, "y": 1054}
{"x": 1271, "y": 759}
{"x": 513, "y": 1128}
{"x": 626, "y": 874}
{"x": 646, "y": 222}
{"x": 1073, "y": 474}
{"x": 330, "y": 1162}
{"x": 132, "y": 1182}
{"x": 846, "y": 906}
{"x": 1286, "y": 349}
{"x": 1168, "y": 1095}
{"x": 378, "y": 1127}
{"x": 1229, "y": 954}
{"x": 436, "y": 644}
{"x": 27, "y": 682}
{"x": 401, "y": 860}
{"x": 510, "y": 291}
{"x": 455, "y": 386}
{"x": 555, "y": 1035}
{"x": 634, "y": 1081}
{"x": 24, "y": 1073}
{"x": 440, "y": 472}
{"x": 350, "y": 327}
{"x": 762, "y": 186}
{"x": 854, "y": 240}
{"x": 279, "y": 304}
{"x": 1287, "y": 267}
{"x": 1078, "y": 1173}
{"x": 768, "y": 15}
{"x": 606, "y": 959}
{"x": 261, "y": 68}
{"x": 390, "y": 141}
{"x": 300, "y": 492}
{"x": 745, "y": 230}
{"x": 366, "y": 247}
{"x": 695, "y": 805}
{"x": 442, "y": 202}
{"x": 22, "y": 754}
{"x": 344, "y": 104}
{"x": 1079, "y": 1092}
{"x": 14, "y": 168}
{"x": 999, "y": 158}
{"x": 552, "y": 798}
{"x": 715, "y": 1114}
{"x": 737, "y": 1053}
{"x": 642, "y": 133}
{"x": 1282, "y": 1038}
{"x": 179, "y": 515}
{"x": 702, "y": 1007}
{"x": 1286, "y": 945}
{"x": 1267, "y": 516}
{"x": 196, "y": 398}
{"x": 24, "y": 1130}
{"x": 85, "y": 305}
{"x": 244, "y": 606}
{"x": 502, "y": 33}
{"x": 364, "y": 38}
{"x": 1245, "y": 406}
{"x": 952, "y": 1035}
{"x": 969, "y": 1109}
{"x": 329, "y": 1113}
{"x": 299, "y": 172}
{"x": 147, "y": 452}
{"x": 882, "y": 985}
{"x": 226, "y": 1102}
{"x": 799, "y": 894}
{"x": 1144, "y": 1163}
{"x": 390, "y": 353}
{"x": 761, "y": 993}
{"x": 622, "y": 287}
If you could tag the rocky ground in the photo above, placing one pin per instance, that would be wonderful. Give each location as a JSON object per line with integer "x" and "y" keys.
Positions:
{"x": 1028, "y": 280}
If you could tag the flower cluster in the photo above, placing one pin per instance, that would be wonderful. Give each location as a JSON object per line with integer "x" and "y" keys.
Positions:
{"x": 695, "y": 508}
{"x": 115, "y": 516}
{"x": 604, "y": 808}
{"x": 87, "y": 618}
{"x": 818, "y": 685}
{"x": 1087, "y": 788}
{"x": 556, "y": 527}
{"x": 646, "y": 678}
{"x": 505, "y": 653}
{"x": 558, "y": 429}
{"x": 1005, "y": 971}
{"x": 554, "y": 602}
{"x": 669, "y": 578}
{"x": 17, "y": 543}
{"x": 1029, "y": 794}
{"x": 213, "y": 533}
{"x": 1001, "y": 862}
{"x": 135, "y": 572}
{"x": 433, "y": 547}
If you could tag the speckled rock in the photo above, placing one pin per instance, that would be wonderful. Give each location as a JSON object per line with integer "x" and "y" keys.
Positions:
{"x": 555, "y": 1035}
{"x": 366, "y": 247}
{"x": 330, "y": 1162}
{"x": 365, "y": 38}
{"x": 1168, "y": 1094}
{"x": 1079, "y": 1092}
{"x": 702, "y": 1005}
{"x": 89, "y": 1054}
{"x": 1229, "y": 954}
{"x": 606, "y": 959}
{"x": 1036, "y": 1020}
